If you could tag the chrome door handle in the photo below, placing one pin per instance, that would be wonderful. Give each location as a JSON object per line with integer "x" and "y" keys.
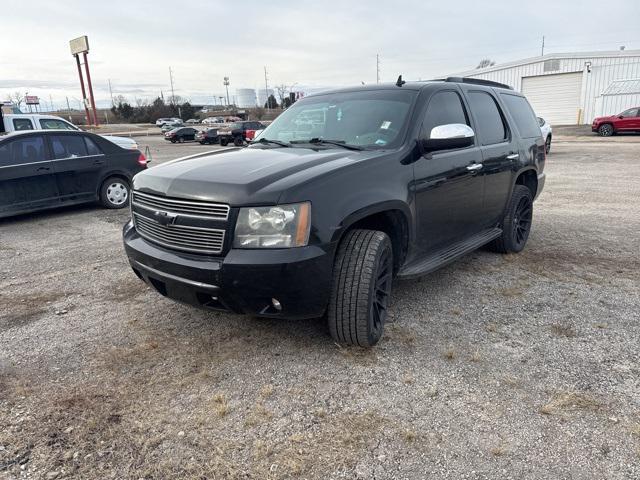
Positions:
{"x": 513, "y": 156}
{"x": 474, "y": 167}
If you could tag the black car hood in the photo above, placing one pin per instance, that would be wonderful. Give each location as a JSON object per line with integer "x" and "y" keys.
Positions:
{"x": 246, "y": 176}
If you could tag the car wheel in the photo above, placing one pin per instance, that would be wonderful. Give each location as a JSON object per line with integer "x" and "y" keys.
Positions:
{"x": 224, "y": 142}
{"x": 516, "y": 224}
{"x": 181, "y": 140}
{"x": 238, "y": 142}
{"x": 547, "y": 145}
{"x": 173, "y": 140}
{"x": 605, "y": 130}
{"x": 201, "y": 143}
{"x": 114, "y": 193}
{"x": 362, "y": 276}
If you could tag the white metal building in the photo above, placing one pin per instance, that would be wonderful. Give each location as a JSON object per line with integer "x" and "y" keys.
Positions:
{"x": 245, "y": 97}
{"x": 570, "y": 88}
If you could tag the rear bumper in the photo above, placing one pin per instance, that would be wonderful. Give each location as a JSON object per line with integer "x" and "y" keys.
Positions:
{"x": 244, "y": 281}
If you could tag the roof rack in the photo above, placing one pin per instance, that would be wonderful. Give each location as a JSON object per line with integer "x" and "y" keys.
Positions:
{"x": 476, "y": 81}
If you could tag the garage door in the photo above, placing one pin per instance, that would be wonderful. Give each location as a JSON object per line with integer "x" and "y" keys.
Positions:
{"x": 556, "y": 98}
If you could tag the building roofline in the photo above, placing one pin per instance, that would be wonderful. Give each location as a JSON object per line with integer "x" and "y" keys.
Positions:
{"x": 553, "y": 56}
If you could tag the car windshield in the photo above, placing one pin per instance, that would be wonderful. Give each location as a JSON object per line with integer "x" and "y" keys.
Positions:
{"x": 370, "y": 118}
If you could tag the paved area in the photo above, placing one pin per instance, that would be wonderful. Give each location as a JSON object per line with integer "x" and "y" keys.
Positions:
{"x": 496, "y": 367}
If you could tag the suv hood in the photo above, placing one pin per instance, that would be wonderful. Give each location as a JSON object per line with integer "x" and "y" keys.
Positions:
{"x": 245, "y": 176}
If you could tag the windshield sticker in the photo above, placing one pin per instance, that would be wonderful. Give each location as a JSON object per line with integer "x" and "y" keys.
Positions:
{"x": 385, "y": 125}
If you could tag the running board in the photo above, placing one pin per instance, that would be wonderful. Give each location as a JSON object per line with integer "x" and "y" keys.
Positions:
{"x": 448, "y": 254}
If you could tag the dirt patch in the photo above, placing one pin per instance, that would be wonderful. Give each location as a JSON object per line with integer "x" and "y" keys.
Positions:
{"x": 17, "y": 310}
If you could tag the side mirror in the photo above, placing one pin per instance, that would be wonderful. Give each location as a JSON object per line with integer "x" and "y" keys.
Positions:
{"x": 620, "y": 117}
{"x": 449, "y": 136}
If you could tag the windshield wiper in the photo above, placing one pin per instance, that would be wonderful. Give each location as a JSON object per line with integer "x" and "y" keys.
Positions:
{"x": 322, "y": 141}
{"x": 275, "y": 142}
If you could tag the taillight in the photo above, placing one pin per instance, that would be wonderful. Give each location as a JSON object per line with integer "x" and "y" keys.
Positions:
{"x": 142, "y": 160}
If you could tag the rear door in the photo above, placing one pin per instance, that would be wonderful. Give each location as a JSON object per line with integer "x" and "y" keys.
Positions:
{"x": 499, "y": 149}
{"x": 77, "y": 163}
{"x": 448, "y": 192}
{"x": 27, "y": 179}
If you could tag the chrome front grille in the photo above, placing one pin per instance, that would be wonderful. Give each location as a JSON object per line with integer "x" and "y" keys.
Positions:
{"x": 187, "y": 207}
{"x": 185, "y": 225}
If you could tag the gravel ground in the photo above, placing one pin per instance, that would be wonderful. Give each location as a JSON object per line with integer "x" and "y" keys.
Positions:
{"x": 496, "y": 367}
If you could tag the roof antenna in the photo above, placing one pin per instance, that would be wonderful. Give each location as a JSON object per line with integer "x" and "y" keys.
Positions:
{"x": 400, "y": 81}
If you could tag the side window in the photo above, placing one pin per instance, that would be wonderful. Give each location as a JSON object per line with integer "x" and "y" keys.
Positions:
{"x": 54, "y": 124}
{"x": 22, "y": 124}
{"x": 490, "y": 124}
{"x": 444, "y": 108}
{"x": 523, "y": 115}
{"x": 68, "y": 146}
{"x": 22, "y": 150}
{"x": 632, "y": 112}
{"x": 92, "y": 148}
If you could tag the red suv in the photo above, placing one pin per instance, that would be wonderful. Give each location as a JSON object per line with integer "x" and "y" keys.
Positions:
{"x": 627, "y": 121}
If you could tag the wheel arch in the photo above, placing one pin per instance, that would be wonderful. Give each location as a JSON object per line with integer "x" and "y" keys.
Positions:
{"x": 529, "y": 178}
{"x": 390, "y": 217}
{"x": 116, "y": 173}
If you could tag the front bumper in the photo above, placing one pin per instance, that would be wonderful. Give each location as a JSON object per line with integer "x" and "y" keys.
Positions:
{"x": 243, "y": 281}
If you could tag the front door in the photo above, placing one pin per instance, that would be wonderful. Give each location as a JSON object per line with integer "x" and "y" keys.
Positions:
{"x": 447, "y": 185}
{"x": 27, "y": 180}
{"x": 629, "y": 120}
{"x": 77, "y": 163}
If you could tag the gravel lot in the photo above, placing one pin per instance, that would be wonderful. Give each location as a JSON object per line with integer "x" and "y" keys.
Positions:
{"x": 496, "y": 367}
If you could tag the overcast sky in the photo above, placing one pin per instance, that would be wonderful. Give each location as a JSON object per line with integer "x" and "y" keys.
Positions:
{"x": 318, "y": 43}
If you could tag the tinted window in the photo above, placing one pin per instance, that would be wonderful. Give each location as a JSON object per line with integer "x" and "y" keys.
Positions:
{"x": 54, "y": 124}
{"x": 68, "y": 146}
{"x": 443, "y": 108}
{"x": 22, "y": 150}
{"x": 490, "y": 125}
{"x": 523, "y": 115}
{"x": 632, "y": 112}
{"x": 22, "y": 124}
{"x": 92, "y": 148}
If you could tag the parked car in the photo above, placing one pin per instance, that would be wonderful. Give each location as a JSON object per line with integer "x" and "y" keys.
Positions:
{"x": 547, "y": 133}
{"x": 181, "y": 135}
{"x": 627, "y": 121}
{"x": 34, "y": 121}
{"x": 398, "y": 181}
{"x": 236, "y": 133}
{"x": 208, "y": 136}
{"x": 42, "y": 169}
{"x": 192, "y": 121}
{"x": 218, "y": 121}
{"x": 170, "y": 126}
{"x": 161, "y": 121}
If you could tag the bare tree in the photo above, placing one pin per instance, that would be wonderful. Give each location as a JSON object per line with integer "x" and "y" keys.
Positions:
{"x": 17, "y": 98}
{"x": 283, "y": 92}
{"x": 486, "y": 62}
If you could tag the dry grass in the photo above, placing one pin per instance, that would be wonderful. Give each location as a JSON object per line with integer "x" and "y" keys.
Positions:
{"x": 498, "y": 451}
{"x": 563, "y": 331}
{"x": 258, "y": 415}
{"x": 408, "y": 379}
{"x": 491, "y": 327}
{"x": 266, "y": 391}
{"x": 449, "y": 353}
{"x": 476, "y": 357}
{"x": 409, "y": 435}
{"x": 571, "y": 401}
{"x": 220, "y": 405}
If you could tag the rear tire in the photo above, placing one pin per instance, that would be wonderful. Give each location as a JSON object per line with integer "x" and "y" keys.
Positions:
{"x": 181, "y": 140}
{"x": 224, "y": 142}
{"x": 115, "y": 193}
{"x": 547, "y": 145}
{"x": 362, "y": 276}
{"x": 516, "y": 224}
{"x": 605, "y": 130}
{"x": 238, "y": 142}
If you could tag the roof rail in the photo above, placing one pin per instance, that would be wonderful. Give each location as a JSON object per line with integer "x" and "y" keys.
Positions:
{"x": 477, "y": 81}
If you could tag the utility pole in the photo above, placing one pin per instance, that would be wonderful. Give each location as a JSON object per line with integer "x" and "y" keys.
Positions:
{"x": 377, "y": 68}
{"x": 226, "y": 85}
{"x": 266, "y": 88}
{"x": 111, "y": 93}
{"x": 542, "y": 53}
{"x": 173, "y": 95}
{"x": 51, "y": 102}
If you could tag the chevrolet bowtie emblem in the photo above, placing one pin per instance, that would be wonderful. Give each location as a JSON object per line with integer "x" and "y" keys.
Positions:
{"x": 165, "y": 218}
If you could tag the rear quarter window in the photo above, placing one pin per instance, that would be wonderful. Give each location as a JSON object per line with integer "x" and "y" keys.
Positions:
{"x": 491, "y": 128}
{"x": 523, "y": 115}
{"x": 22, "y": 124}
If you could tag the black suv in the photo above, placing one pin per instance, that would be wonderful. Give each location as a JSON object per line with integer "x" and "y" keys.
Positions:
{"x": 344, "y": 191}
{"x": 236, "y": 133}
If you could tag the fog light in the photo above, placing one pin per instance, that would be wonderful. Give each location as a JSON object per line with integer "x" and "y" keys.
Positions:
{"x": 276, "y": 304}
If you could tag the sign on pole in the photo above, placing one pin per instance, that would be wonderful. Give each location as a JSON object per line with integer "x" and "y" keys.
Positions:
{"x": 32, "y": 100}
{"x": 79, "y": 45}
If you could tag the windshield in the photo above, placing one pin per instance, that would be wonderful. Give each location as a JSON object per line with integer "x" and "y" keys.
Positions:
{"x": 373, "y": 118}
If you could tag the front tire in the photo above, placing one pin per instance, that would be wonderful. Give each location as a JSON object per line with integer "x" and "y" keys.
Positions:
{"x": 115, "y": 193}
{"x": 362, "y": 276}
{"x": 238, "y": 142}
{"x": 224, "y": 142}
{"x": 547, "y": 145}
{"x": 605, "y": 130}
{"x": 181, "y": 140}
{"x": 516, "y": 224}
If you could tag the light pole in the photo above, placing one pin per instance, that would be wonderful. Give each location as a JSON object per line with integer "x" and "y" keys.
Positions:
{"x": 226, "y": 85}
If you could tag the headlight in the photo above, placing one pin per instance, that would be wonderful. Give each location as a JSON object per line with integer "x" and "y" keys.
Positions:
{"x": 282, "y": 226}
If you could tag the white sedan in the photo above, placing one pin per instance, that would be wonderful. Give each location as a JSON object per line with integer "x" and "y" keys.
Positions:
{"x": 547, "y": 132}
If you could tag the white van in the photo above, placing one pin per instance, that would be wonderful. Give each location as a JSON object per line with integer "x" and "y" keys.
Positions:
{"x": 13, "y": 122}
